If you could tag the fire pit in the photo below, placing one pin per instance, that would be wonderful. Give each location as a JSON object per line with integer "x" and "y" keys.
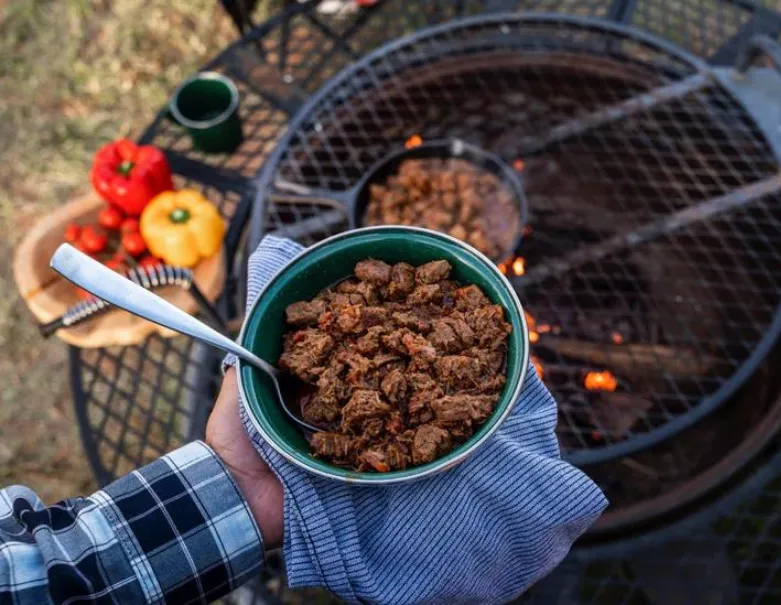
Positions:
{"x": 647, "y": 268}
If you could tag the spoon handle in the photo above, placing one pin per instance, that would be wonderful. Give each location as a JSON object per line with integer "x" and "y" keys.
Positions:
{"x": 89, "y": 274}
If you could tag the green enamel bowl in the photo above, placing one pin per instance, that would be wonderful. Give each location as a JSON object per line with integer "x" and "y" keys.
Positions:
{"x": 332, "y": 260}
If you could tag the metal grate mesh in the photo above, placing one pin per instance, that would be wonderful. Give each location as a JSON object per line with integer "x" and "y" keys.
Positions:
{"x": 673, "y": 320}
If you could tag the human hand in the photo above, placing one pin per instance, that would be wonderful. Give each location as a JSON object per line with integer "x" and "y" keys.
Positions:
{"x": 258, "y": 484}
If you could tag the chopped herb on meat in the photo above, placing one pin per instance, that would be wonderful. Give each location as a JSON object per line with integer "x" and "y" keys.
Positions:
{"x": 395, "y": 374}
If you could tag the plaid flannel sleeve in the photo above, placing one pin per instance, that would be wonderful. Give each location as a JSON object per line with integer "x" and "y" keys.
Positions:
{"x": 175, "y": 531}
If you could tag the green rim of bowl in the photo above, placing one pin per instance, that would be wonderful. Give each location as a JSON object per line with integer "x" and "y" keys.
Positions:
{"x": 315, "y": 268}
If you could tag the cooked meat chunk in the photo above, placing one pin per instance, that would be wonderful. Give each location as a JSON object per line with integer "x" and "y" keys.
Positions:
{"x": 331, "y": 445}
{"x": 458, "y": 371}
{"x": 402, "y": 281}
{"x": 460, "y": 408}
{"x": 393, "y": 341}
{"x": 361, "y": 372}
{"x": 465, "y": 334}
{"x": 320, "y": 411}
{"x": 491, "y": 384}
{"x": 470, "y": 297}
{"x": 369, "y": 343}
{"x": 492, "y": 360}
{"x": 363, "y": 405}
{"x": 373, "y": 271}
{"x": 386, "y": 360}
{"x": 490, "y": 327}
{"x": 420, "y": 381}
{"x": 417, "y": 346}
{"x": 304, "y": 313}
{"x": 412, "y": 320}
{"x": 374, "y": 316}
{"x": 430, "y": 442}
{"x": 397, "y": 372}
{"x": 419, "y": 406}
{"x": 373, "y": 428}
{"x": 350, "y": 319}
{"x": 374, "y": 459}
{"x": 451, "y": 335}
{"x": 366, "y": 290}
{"x": 348, "y": 286}
{"x": 305, "y": 352}
{"x": 330, "y": 386}
{"x": 395, "y": 424}
{"x": 459, "y": 431}
{"x": 339, "y": 299}
{"x": 397, "y": 458}
{"x": 394, "y": 386}
{"x": 425, "y": 293}
{"x": 369, "y": 293}
{"x": 433, "y": 272}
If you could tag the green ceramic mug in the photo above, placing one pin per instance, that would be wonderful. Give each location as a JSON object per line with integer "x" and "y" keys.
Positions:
{"x": 332, "y": 260}
{"x": 207, "y": 105}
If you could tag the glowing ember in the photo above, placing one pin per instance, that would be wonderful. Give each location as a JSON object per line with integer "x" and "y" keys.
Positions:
{"x": 543, "y": 328}
{"x": 519, "y": 266}
{"x": 616, "y": 338}
{"x": 534, "y": 335}
{"x": 503, "y": 268}
{"x": 414, "y": 141}
{"x": 600, "y": 381}
{"x": 519, "y": 165}
{"x": 538, "y": 367}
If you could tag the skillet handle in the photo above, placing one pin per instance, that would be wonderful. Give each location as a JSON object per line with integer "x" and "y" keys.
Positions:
{"x": 285, "y": 192}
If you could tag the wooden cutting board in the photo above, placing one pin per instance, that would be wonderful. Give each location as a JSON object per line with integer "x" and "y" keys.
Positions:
{"x": 48, "y": 295}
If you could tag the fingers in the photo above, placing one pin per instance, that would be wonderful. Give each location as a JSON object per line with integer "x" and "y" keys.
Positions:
{"x": 224, "y": 417}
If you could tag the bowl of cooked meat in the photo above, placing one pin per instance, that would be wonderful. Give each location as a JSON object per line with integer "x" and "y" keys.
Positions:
{"x": 406, "y": 347}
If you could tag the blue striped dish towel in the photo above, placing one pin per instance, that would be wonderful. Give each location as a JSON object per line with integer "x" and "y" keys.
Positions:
{"x": 482, "y": 532}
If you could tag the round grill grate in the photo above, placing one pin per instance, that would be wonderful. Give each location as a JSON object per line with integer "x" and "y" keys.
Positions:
{"x": 670, "y": 326}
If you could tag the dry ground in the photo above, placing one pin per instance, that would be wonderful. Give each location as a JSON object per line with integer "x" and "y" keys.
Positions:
{"x": 73, "y": 75}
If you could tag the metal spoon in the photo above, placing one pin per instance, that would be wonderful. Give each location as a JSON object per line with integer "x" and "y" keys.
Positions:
{"x": 104, "y": 283}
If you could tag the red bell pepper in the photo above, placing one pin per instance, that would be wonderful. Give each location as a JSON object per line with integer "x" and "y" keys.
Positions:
{"x": 128, "y": 175}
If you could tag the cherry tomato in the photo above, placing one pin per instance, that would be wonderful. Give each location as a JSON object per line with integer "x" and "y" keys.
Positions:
{"x": 83, "y": 294}
{"x": 133, "y": 243}
{"x": 72, "y": 233}
{"x": 110, "y": 218}
{"x": 116, "y": 264}
{"x": 129, "y": 225}
{"x": 94, "y": 239}
{"x": 80, "y": 247}
{"x": 148, "y": 261}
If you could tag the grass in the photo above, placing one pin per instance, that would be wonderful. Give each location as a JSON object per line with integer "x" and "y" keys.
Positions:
{"x": 74, "y": 75}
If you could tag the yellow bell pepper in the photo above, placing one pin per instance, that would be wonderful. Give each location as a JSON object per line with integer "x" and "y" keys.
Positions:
{"x": 182, "y": 227}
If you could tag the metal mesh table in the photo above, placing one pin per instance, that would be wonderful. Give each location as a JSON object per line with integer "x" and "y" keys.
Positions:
{"x": 135, "y": 403}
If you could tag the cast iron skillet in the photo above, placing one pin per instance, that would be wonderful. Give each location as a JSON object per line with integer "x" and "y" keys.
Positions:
{"x": 355, "y": 200}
